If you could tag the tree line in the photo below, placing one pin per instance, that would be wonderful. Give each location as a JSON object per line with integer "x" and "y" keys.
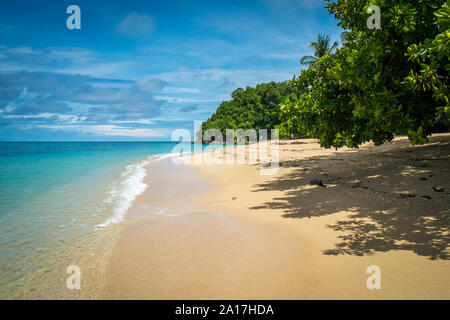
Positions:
{"x": 376, "y": 84}
{"x": 252, "y": 108}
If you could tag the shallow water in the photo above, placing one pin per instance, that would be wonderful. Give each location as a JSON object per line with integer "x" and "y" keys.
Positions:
{"x": 60, "y": 205}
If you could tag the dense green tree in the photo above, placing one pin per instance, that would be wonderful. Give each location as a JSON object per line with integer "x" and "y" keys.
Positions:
{"x": 381, "y": 82}
{"x": 252, "y": 108}
{"x": 433, "y": 56}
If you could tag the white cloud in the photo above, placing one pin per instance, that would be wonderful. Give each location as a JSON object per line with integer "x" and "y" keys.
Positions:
{"x": 243, "y": 77}
{"x": 147, "y": 84}
{"x": 112, "y": 69}
{"x": 189, "y": 100}
{"x": 46, "y": 115}
{"x": 138, "y": 121}
{"x": 108, "y": 130}
{"x": 136, "y": 25}
{"x": 181, "y": 90}
{"x": 27, "y": 94}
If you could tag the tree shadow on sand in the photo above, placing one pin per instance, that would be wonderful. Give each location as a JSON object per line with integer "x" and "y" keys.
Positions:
{"x": 387, "y": 190}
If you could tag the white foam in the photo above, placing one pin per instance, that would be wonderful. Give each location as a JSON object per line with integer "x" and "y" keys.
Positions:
{"x": 170, "y": 155}
{"x": 130, "y": 185}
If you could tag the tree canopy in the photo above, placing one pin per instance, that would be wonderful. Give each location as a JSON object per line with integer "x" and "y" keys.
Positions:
{"x": 252, "y": 108}
{"x": 381, "y": 82}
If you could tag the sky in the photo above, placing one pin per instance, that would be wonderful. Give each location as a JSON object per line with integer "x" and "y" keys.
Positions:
{"x": 137, "y": 70}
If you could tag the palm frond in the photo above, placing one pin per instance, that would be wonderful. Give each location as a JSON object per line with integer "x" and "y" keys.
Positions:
{"x": 307, "y": 60}
{"x": 334, "y": 46}
{"x": 321, "y": 48}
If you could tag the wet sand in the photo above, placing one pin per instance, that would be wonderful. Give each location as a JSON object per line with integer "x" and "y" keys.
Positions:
{"x": 230, "y": 233}
{"x": 179, "y": 247}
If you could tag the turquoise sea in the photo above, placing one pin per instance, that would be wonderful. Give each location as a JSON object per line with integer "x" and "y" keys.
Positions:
{"x": 60, "y": 203}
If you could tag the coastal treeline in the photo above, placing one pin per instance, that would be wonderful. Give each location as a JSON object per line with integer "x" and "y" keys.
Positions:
{"x": 379, "y": 82}
{"x": 253, "y": 108}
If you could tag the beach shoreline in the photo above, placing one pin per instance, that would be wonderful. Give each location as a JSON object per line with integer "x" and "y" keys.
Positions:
{"x": 227, "y": 232}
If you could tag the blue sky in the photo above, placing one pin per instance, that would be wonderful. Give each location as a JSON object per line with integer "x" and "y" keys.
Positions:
{"x": 137, "y": 69}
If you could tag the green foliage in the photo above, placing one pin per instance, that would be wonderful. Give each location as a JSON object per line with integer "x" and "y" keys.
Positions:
{"x": 381, "y": 82}
{"x": 252, "y": 108}
{"x": 433, "y": 57}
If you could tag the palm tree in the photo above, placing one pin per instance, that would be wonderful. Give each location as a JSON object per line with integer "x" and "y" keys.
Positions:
{"x": 321, "y": 47}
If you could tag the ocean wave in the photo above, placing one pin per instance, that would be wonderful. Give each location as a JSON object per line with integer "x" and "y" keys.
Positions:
{"x": 130, "y": 185}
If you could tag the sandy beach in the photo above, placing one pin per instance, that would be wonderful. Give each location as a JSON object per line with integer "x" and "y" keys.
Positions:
{"x": 227, "y": 232}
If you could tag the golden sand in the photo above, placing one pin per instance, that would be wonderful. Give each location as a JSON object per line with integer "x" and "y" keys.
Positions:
{"x": 228, "y": 232}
